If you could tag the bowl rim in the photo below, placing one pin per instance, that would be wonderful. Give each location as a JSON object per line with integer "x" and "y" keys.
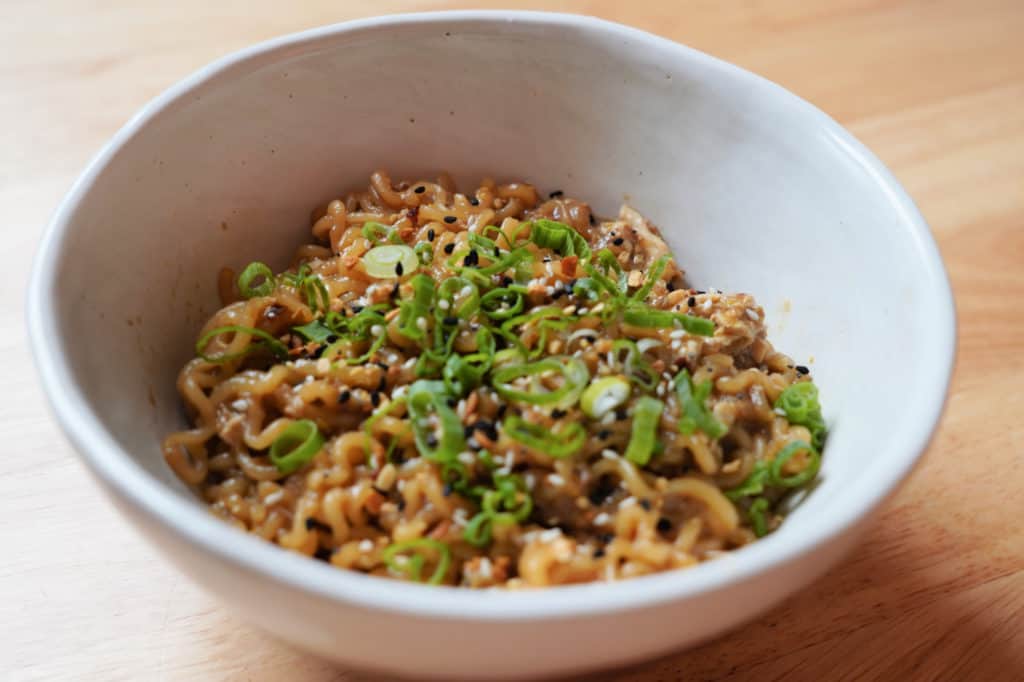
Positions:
{"x": 121, "y": 475}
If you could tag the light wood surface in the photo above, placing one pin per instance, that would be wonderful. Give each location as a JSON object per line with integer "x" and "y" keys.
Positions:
{"x": 934, "y": 87}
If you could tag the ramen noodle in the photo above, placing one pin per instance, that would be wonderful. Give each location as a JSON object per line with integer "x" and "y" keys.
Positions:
{"x": 493, "y": 389}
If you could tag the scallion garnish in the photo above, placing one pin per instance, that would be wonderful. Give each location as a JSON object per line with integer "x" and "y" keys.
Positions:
{"x": 695, "y": 414}
{"x": 412, "y": 566}
{"x": 757, "y": 520}
{"x": 645, "y": 316}
{"x": 503, "y": 302}
{"x": 643, "y": 439}
{"x": 558, "y": 442}
{"x": 297, "y": 444}
{"x": 560, "y": 238}
{"x": 390, "y": 260}
{"x": 603, "y": 395}
{"x": 427, "y": 400}
{"x": 257, "y": 279}
{"x": 574, "y": 377}
{"x": 315, "y": 331}
{"x": 417, "y": 308}
{"x": 802, "y": 476}
{"x": 800, "y": 403}
{"x": 265, "y": 340}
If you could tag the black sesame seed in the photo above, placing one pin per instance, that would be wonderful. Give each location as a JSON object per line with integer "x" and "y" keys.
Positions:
{"x": 646, "y": 504}
{"x": 356, "y": 309}
{"x": 452, "y": 402}
{"x": 401, "y": 504}
{"x": 506, "y": 280}
{"x": 558, "y": 414}
{"x": 670, "y": 286}
{"x": 375, "y": 398}
{"x": 474, "y": 201}
{"x": 447, "y": 489}
{"x": 599, "y": 552}
{"x": 431, "y": 440}
{"x": 603, "y": 434}
{"x": 450, "y": 321}
{"x": 431, "y": 234}
{"x": 501, "y": 410}
{"x": 449, "y": 219}
{"x": 467, "y": 430}
{"x": 399, "y": 269}
{"x": 559, "y": 293}
{"x": 497, "y": 252}
{"x": 664, "y": 525}
{"x": 382, "y": 384}
{"x": 557, "y": 193}
{"x": 618, "y": 241}
{"x": 420, "y": 190}
{"x": 593, "y": 220}
{"x": 344, "y": 396}
{"x": 323, "y": 553}
{"x": 472, "y": 259}
{"x": 691, "y": 301}
{"x": 701, "y": 292}
{"x": 382, "y": 366}
{"x": 621, "y": 413}
{"x": 449, "y": 247}
{"x": 606, "y": 538}
{"x": 802, "y": 370}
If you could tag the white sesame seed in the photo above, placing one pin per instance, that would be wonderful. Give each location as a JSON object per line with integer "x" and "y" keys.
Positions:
{"x": 323, "y": 366}
{"x": 608, "y": 418}
{"x": 240, "y": 404}
{"x": 582, "y": 311}
{"x": 597, "y": 308}
{"x": 274, "y": 497}
{"x": 377, "y": 330}
{"x": 779, "y": 411}
{"x": 485, "y": 568}
{"x": 556, "y": 480}
{"x": 530, "y": 480}
{"x": 459, "y": 517}
{"x": 550, "y": 534}
{"x": 676, "y": 345}
{"x": 466, "y": 291}
{"x": 421, "y": 322}
{"x": 677, "y": 334}
{"x": 707, "y": 305}
{"x": 366, "y": 545}
{"x": 466, "y": 457}
{"x": 609, "y": 454}
{"x": 628, "y": 502}
{"x": 602, "y": 519}
{"x": 752, "y": 314}
{"x": 569, "y": 309}
{"x": 660, "y": 390}
{"x": 443, "y": 304}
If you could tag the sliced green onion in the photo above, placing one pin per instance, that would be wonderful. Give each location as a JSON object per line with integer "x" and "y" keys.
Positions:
{"x": 265, "y": 341}
{"x": 573, "y": 371}
{"x": 653, "y": 276}
{"x": 756, "y": 513}
{"x": 296, "y": 445}
{"x": 371, "y": 421}
{"x": 377, "y": 233}
{"x": 503, "y": 302}
{"x": 692, "y": 401}
{"x": 800, "y": 478}
{"x": 560, "y": 238}
{"x": 390, "y": 260}
{"x": 315, "y": 331}
{"x": 557, "y": 443}
{"x": 604, "y": 395}
{"x": 416, "y": 308}
{"x": 427, "y": 399}
{"x": 642, "y": 440}
{"x": 462, "y": 298}
{"x": 800, "y": 403}
{"x": 425, "y": 252}
{"x": 636, "y": 367}
{"x": 412, "y": 568}
{"x": 256, "y": 280}
{"x": 753, "y": 484}
{"x": 644, "y": 316}
{"x": 478, "y": 530}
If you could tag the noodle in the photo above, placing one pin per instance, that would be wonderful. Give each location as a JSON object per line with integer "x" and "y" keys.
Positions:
{"x": 491, "y": 390}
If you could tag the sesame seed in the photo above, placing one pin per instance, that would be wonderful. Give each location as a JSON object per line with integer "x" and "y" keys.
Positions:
{"x": 677, "y": 334}
{"x": 449, "y": 247}
{"x": 607, "y": 419}
{"x": 557, "y": 193}
{"x": 646, "y": 504}
{"x": 556, "y": 480}
{"x": 466, "y": 291}
{"x": 240, "y": 404}
{"x": 420, "y": 190}
{"x": 449, "y": 219}
{"x": 664, "y": 525}
{"x": 443, "y": 304}
{"x": 602, "y": 519}
{"x": 660, "y": 390}
{"x": 421, "y": 322}
{"x": 609, "y": 454}
{"x": 692, "y": 301}
{"x": 707, "y": 305}
{"x": 474, "y": 201}
{"x": 618, "y": 241}
{"x": 569, "y": 310}
{"x": 550, "y": 534}
{"x": 802, "y": 369}
{"x": 377, "y": 330}
{"x": 375, "y": 398}
{"x": 399, "y": 269}
{"x": 752, "y": 314}
{"x": 431, "y": 234}
{"x": 779, "y": 411}
{"x": 344, "y": 396}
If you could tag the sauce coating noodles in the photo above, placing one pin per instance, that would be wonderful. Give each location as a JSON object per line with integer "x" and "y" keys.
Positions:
{"x": 491, "y": 389}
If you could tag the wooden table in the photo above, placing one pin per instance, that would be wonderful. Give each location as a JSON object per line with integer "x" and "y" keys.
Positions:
{"x": 935, "y": 88}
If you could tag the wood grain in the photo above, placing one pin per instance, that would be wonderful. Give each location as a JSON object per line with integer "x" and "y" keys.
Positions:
{"x": 935, "y": 87}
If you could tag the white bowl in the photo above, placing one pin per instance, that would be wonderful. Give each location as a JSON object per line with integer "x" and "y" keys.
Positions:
{"x": 757, "y": 191}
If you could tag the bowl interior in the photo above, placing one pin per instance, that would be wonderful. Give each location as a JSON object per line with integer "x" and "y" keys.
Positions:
{"x": 755, "y": 191}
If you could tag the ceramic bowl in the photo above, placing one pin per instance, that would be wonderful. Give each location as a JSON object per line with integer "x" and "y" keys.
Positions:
{"x": 756, "y": 190}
